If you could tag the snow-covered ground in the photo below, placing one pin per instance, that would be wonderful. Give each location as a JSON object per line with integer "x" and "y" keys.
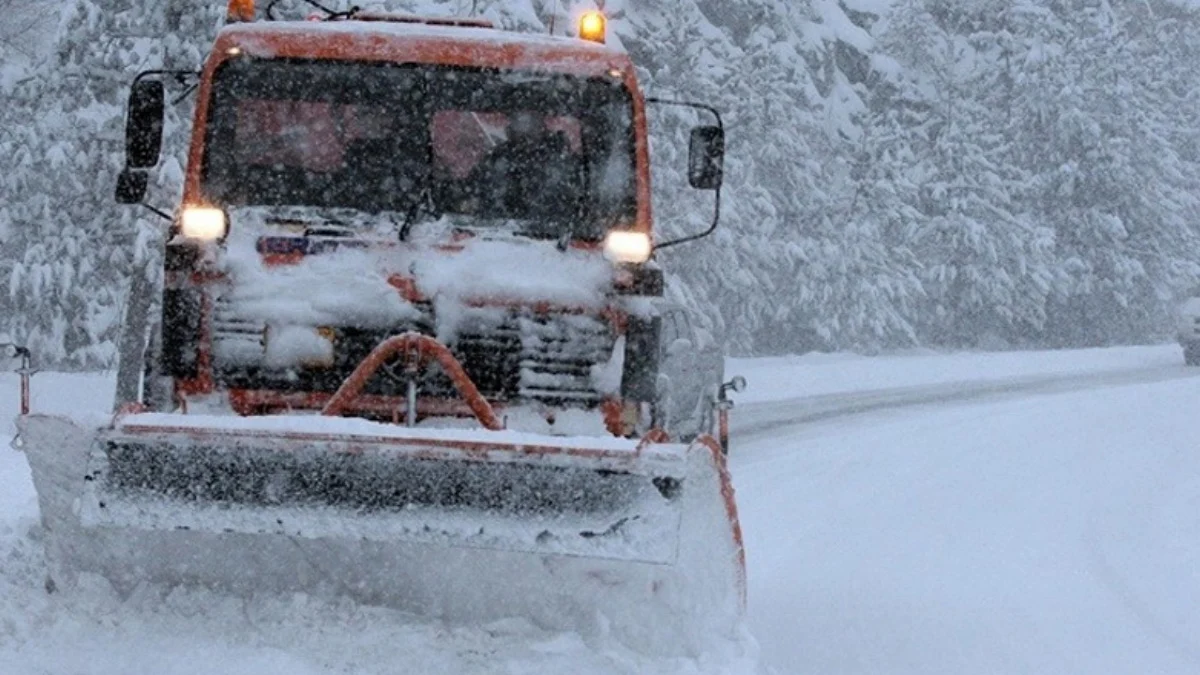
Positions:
{"x": 785, "y": 377}
{"x": 1045, "y": 533}
{"x": 1022, "y": 512}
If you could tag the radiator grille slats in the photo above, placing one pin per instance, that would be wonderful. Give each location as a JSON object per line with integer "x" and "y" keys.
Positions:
{"x": 513, "y": 355}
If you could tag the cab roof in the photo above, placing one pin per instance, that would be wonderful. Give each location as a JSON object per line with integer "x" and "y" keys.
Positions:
{"x": 414, "y": 42}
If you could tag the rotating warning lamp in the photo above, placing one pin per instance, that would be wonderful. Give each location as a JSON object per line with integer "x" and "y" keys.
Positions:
{"x": 593, "y": 27}
{"x": 240, "y": 10}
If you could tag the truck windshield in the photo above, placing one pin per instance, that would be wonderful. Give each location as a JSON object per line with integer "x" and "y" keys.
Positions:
{"x": 553, "y": 154}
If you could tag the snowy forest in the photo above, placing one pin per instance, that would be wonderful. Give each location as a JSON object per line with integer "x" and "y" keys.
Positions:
{"x": 936, "y": 173}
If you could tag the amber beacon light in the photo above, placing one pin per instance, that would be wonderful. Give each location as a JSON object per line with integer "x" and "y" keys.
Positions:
{"x": 240, "y": 10}
{"x": 593, "y": 26}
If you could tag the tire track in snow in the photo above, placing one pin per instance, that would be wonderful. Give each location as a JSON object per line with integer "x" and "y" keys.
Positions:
{"x": 1117, "y": 584}
{"x": 754, "y": 420}
{"x": 1155, "y": 521}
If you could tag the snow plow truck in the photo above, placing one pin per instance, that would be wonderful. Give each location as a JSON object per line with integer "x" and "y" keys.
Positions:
{"x": 412, "y": 345}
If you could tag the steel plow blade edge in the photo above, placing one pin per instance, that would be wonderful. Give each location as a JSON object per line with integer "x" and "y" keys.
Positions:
{"x": 387, "y": 490}
{"x": 464, "y": 527}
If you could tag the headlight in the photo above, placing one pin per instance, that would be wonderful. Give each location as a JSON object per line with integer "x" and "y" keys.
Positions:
{"x": 206, "y": 224}
{"x": 621, "y": 246}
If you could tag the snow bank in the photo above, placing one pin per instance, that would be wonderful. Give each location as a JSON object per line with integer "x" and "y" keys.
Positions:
{"x": 786, "y": 377}
{"x": 193, "y": 632}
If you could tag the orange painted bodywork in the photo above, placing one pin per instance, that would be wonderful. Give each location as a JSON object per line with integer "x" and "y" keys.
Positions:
{"x": 250, "y": 402}
{"x": 394, "y": 42}
{"x": 384, "y": 40}
{"x": 731, "y": 511}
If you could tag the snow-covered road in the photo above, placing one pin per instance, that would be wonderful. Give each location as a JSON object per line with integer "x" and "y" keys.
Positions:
{"x": 1043, "y": 523}
{"x": 1031, "y": 512}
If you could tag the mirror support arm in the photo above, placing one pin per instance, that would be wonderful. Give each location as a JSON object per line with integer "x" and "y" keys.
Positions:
{"x": 711, "y": 228}
{"x": 717, "y": 205}
{"x": 181, "y": 76}
{"x": 688, "y": 104}
{"x": 157, "y": 211}
{"x": 188, "y": 79}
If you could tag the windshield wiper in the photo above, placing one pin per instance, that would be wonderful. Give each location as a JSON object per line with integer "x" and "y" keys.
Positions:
{"x": 330, "y": 228}
{"x": 422, "y": 202}
{"x": 316, "y": 227}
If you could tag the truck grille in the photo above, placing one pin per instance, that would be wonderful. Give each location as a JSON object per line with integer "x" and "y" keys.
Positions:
{"x": 542, "y": 357}
{"x": 513, "y": 355}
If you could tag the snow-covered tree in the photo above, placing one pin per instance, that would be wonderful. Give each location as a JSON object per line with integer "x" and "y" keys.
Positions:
{"x": 986, "y": 263}
{"x": 943, "y": 172}
{"x": 1094, "y": 121}
{"x": 70, "y": 248}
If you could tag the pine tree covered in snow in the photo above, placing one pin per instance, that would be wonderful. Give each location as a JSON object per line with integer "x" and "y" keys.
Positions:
{"x": 1056, "y": 206}
{"x": 788, "y": 272}
{"x": 1096, "y": 119}
{"x": 940, "y": 172}
{"x": 984, "y": 261}
{"x": 73, "y": 250}
{"x": 857, "y": 281}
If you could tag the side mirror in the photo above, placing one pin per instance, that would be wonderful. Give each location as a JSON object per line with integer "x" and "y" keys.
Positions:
{"x": 737, "y": 385}
{"x": 10, "y": 350}
{"x": 131, "y": 186}
{"x": 706, "y": 158}
{"x": 144, "y": 124}
{"x": 706, "y": 163}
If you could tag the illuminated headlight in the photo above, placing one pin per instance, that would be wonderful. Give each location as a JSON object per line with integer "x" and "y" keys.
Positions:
{"x": 627, "y": 247}
{"x": 205, "y": 224}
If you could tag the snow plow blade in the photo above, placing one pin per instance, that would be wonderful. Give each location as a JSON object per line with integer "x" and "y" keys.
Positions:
{"x": 577, "y": 533}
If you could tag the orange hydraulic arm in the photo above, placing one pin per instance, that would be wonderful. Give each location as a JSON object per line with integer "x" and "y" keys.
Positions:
{"x": 416, "y": 351}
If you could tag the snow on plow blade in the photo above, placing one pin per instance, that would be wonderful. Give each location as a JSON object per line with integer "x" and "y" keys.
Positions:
{"x": 444, "y": 490}
{"x": 459, "y": 524}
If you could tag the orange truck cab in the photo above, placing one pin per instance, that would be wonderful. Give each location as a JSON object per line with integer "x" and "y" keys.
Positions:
{"x": 358, "y": 176}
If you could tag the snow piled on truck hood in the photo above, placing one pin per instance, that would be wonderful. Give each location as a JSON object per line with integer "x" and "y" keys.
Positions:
{"x": 348, "y": 287}
{"x": 350, "y": 284}
{"x": 514, "y": 271}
